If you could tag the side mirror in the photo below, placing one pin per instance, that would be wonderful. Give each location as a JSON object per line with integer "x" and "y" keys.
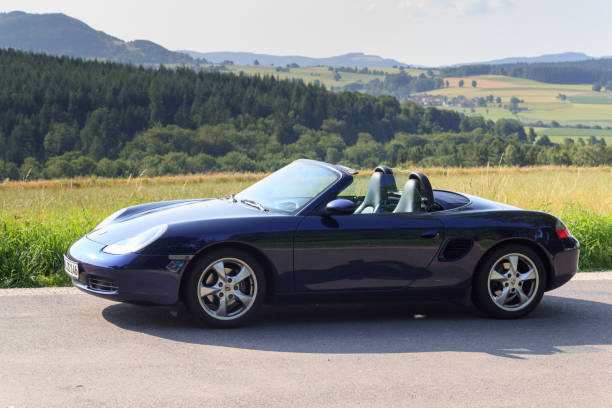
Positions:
{"x": 340, "y": 206}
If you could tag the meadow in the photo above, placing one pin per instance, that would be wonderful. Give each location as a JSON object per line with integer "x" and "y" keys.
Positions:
{"x": 582, "y": 106}
{"x": 321, "y": 74}
{"x": 40, "y": 219}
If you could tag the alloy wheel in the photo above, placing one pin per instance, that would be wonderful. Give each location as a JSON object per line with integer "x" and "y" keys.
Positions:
{"x": 513, "y": 282}
{"x": 227, "y": 288}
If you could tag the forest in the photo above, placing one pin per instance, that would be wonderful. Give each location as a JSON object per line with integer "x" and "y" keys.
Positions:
{"x": 595, "y": 71}
{"x": 399, "y": 85}
{"x": 63, "y": 117}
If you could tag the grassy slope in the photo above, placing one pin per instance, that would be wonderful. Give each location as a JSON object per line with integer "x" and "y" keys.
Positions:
{"x": 311, "y": 74}
{"x": 583, "y": 105}
{"x": 39, "y": 220}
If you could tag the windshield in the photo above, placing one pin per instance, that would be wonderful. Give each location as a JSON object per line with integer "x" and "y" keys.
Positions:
{"x": 290, "y": 188}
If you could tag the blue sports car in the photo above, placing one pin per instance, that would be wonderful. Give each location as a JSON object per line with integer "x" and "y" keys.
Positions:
{"x": 306, "y": 232}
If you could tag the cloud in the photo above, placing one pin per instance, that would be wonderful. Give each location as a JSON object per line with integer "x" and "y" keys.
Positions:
{"x": 370, "y": 7}
{"x": 438, "y": 8}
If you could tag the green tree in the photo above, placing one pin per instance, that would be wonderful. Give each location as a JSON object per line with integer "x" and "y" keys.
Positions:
{"x": 513, "y": 155}
{"x": 236, "y": 161}
{"x": 461, "y": 83}
{"x": 60, "y": 139}
{"x": 543, "y": 141}
{"x": 474, "y": 83}
{"x": 531, "y": 137}
{"x": 83, "y": 166}
{"x": 507, "y": 127}
{"x": 30, "y": 169}
{"x": 8, "y": 170}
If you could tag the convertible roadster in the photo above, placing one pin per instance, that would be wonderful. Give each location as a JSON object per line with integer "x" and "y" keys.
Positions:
{"x": 305, "y": 233}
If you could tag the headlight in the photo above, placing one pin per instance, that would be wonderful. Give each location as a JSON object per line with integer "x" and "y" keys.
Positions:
{"x": 136, "y": 242}
{"x": 109, "y": 219}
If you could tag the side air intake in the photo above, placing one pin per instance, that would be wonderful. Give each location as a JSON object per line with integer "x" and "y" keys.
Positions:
{"x": 456, "y": 249}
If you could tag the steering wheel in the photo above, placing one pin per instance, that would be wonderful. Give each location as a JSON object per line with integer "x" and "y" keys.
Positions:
{"x": 424, "y": 187}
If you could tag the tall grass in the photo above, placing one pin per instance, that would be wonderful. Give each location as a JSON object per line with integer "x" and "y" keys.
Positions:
{"x": 594, "y": 231}
{"x": 40, "y": 220}
{"x": 31, "y": 252}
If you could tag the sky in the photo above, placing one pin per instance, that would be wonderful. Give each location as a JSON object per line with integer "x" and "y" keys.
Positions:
{"x": 419, "y": 32}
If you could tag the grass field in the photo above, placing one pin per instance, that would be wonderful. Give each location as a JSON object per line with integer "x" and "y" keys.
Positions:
{"x": 39, "y": 220}
{"x": 322, "y": 74}
{"x": 558, "y": 134}
{"x": 583, "y": 105}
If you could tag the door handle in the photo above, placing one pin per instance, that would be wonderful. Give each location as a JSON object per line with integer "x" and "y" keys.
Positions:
{"x": 429, "y": 234}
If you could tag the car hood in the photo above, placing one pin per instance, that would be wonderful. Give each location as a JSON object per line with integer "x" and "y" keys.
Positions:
{"x": 134, "y": 220}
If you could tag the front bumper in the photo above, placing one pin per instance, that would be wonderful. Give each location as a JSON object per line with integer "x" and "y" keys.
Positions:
{"x": 136, "y": 278}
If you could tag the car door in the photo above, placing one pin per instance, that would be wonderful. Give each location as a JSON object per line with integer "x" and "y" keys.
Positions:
{"x": 364, "y": 251}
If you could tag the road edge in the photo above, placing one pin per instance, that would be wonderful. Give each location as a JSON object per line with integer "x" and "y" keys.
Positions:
{"x": 70, "y": 290}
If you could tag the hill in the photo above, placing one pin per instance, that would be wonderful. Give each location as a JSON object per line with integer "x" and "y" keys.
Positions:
{"x": 592, "y": 71}
{"x": 355, "y": 59}
{"x": 64, "y": 117}
{"x": 59, "y": 34}
{"x": 562, "y": 57}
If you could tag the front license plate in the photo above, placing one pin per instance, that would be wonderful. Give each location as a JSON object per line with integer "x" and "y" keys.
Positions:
{"x": 71, "y": 268}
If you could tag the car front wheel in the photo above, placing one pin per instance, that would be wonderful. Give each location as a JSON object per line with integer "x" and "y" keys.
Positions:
{"x": 510, "y": 282}
{"x": 225, "y": 288}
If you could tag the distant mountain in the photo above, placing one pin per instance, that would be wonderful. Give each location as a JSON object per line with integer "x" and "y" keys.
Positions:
{"x": 59, "y": 34}
{"x": 355, "y": 59}
{"x": 562, "y": 57}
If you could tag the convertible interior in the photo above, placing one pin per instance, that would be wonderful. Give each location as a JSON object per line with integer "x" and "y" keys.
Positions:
{"x": 416, "y": 195}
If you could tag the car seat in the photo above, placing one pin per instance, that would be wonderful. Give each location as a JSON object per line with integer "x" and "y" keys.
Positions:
{"x": 382, "y": 183}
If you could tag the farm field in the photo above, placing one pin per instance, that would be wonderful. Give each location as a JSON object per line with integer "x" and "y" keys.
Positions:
{"x": 40, "y": 219}
{"x": 582, "y": 105}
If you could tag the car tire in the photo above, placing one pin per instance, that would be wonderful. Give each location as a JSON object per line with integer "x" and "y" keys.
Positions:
{"x": 509, "y": 282}
{"x": 217, "y": 291}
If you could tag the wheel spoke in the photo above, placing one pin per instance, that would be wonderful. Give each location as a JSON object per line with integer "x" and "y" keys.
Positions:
{"x": 513, "y": 263}
{"x": 242, "y": 275}
{"x": 497, "y": 276}
{"x": 222, "y": 309}
{"x": 219, "y": 267}
{"x": 521, "y": 295}
{"x": 530, "y": 274}
{"x": 501, "y": 299}
{"x": 244, "y": 298}
{"x": 208, "y": 290}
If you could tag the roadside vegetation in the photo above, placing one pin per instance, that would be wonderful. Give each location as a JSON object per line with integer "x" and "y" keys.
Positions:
{"x": 39, "y": 220}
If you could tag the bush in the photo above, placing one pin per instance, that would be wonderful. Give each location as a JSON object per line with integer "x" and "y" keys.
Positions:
{"x": 594, "y": 231}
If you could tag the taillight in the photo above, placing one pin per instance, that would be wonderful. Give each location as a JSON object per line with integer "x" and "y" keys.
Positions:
{"x": 562, "y": 231}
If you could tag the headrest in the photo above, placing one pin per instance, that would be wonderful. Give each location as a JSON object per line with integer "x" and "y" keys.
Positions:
{"x": 383, "y": 169}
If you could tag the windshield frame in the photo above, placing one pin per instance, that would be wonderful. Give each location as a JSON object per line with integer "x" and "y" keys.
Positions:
{"x": 340, "y": 180}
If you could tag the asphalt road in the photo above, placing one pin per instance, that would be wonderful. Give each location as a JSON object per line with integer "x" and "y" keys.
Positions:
{"x": 61, "y": 348}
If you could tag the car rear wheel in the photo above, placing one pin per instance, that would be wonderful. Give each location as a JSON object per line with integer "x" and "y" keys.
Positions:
{"x": 510, "y": 282}
{"x": 225, "y": 288}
